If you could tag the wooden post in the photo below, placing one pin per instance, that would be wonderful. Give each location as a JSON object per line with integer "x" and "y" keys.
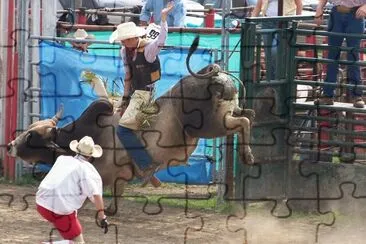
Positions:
{"x": 3, "y": 23}
{"x": 49, "y": 18}
{"x": 210, "y": 16}
{"x": 280, "y": 7}
{"x": 280, "y": 12}
{"x": 36, "y": 25}
{"x": 11, "y": 90}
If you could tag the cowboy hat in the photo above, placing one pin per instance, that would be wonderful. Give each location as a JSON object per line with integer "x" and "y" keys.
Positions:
{"x": 126, "y": 31}
{"x": 86, "y": 147}
{"x": 81, "y": 34}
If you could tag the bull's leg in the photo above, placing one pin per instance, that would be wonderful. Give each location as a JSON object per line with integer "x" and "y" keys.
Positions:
{"x": 123, "y": 176}
{"x": 117, "y": 191}
{"x": 249, "y": 113}
{"x": 242, "y": 126}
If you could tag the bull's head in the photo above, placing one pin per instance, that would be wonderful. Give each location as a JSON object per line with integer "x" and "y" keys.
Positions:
{"x": 37, "y": 143}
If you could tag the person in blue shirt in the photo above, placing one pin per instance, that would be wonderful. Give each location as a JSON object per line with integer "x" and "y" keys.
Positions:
{"x": 153, "y": 8}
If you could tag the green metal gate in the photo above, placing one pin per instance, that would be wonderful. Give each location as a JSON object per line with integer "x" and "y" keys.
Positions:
{"x": 286, "y": 139}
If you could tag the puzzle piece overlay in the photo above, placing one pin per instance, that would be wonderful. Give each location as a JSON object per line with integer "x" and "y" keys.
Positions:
{"x": 308, "y": 157}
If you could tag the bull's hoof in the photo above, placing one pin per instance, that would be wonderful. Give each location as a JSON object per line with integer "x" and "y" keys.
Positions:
{"x": 249, "y": 159}
{"x": 249, "y": 113}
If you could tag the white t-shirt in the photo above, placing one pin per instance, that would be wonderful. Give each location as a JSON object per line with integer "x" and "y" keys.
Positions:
{"x": 70, "y": 181}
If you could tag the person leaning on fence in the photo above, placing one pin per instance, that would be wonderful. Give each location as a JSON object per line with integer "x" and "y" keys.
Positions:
{"x": 269, "y": 8}
{"x": 81, "y": 34}
{"x": 347, "y": 16}
{"x": 142, "y": 70}
{"x": 175, "y": 18}
{"x": 65, "y": 188}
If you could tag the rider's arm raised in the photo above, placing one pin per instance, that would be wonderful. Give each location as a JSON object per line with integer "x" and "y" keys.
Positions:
{"x": 152, "y": 50}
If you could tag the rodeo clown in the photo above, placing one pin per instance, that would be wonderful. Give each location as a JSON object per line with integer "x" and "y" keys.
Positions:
{"x": 142, "y": 70}
{"x": 65, "y": 188}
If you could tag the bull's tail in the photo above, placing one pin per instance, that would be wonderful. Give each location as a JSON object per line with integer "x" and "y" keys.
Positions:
{"x": 212, "y": 69}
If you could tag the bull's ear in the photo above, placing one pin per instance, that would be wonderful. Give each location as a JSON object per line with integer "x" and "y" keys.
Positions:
{"x": 51, "y": 132}
{"x": 53, "y": 146}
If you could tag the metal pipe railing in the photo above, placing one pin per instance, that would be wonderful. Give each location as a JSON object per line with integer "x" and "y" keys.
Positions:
{"x": 321, "y": 152}
{"x": 317, "y": 142}
{"x": 344, "y": 108}
{"x": 329, "y": 119}
{"x": 326, "y": 33}
{"x": 170, "y": 29}
{"x": 329, "y": 61}
{"x": 111, "y": 10}
{"x": 320, "y": 83}
{"x": 93, "y": 11}
{"x": 99, "y": 12}
{"x": 50, "y": 38}
{"x": 65, "y": 39}
{"x": 336, "y": 131}
{"x": 282, "y": 18}
{"x": 325, "y": 47}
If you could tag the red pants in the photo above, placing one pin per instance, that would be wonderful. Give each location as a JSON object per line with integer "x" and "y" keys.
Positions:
{"x": 68, "y": 225}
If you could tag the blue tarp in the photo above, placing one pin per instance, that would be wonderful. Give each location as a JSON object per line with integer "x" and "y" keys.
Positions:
{"x": 198, "y": 170}
{"x": 60, "y": 69}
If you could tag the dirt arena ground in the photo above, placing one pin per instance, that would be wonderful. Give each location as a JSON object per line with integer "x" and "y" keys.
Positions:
{"x": 20, "y": 223}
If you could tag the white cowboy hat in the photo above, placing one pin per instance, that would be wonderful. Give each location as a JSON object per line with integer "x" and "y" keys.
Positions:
{"x": 81, "y": 34}
{"x": 86, "y": 147}
{"x": 125, "y": 31}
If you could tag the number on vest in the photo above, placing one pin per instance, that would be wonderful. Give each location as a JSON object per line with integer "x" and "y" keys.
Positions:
{"x": 152, "y": 31}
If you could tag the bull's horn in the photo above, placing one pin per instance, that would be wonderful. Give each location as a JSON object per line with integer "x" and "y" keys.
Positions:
{"x": 59, "y": 114}
{"x": 213, "y": 69}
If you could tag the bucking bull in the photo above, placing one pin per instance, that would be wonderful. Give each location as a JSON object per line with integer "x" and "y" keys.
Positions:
{"x": 202, "y": 105}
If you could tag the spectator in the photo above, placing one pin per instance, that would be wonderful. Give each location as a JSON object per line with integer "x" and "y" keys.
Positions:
{"x": 81, "y": 34}
{"x": 269, "y": 8}
{"x": 175, "y": 17}
{"x": 347, "y": 16}
{"x": 65, "y": 188}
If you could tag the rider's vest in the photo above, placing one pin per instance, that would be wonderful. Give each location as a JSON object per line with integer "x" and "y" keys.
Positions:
{"x": 143, "y": 73}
